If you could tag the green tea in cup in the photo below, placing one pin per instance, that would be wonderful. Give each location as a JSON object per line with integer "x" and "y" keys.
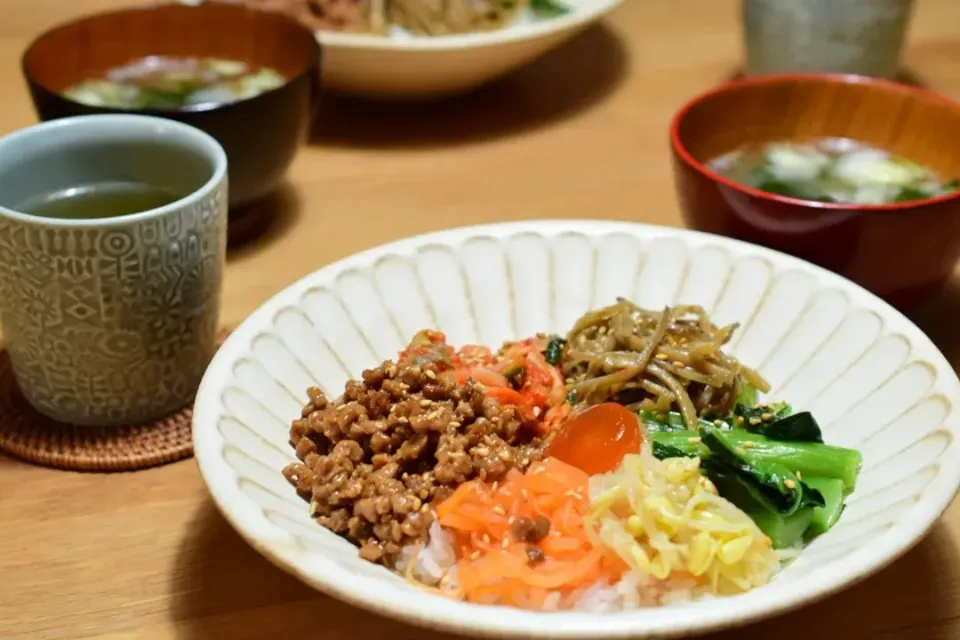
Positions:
{"x": 112, "y": 249}
{"x": 106, "y": 199}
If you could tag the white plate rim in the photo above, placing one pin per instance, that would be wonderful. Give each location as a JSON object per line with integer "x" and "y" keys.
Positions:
{"x": 440, "y": 613}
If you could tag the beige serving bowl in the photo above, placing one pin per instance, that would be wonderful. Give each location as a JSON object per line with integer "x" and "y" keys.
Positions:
{"x": 402, "y": 67}
{"x": 399, "y": 67}
{"x": 872, "y": 378}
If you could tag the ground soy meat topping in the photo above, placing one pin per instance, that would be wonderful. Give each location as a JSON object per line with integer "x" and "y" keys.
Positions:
{"x": 374, "y": 460}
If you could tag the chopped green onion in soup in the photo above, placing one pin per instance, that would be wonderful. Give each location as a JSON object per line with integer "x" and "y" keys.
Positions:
{"x": 158, "y": 82}
{"x": 832, "y": 170}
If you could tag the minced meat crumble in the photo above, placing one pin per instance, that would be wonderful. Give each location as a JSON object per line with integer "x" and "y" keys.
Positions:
{"x": 399, "y": 439}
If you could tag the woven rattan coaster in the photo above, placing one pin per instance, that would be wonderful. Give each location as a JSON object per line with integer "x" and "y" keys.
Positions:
{"x": 32, "y": 437}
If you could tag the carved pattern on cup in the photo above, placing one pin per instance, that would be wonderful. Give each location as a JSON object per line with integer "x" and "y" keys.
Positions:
{"x": 116, "y": 323}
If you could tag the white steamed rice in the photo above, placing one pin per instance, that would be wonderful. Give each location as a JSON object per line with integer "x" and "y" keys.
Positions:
{"x": 434, "y": 565}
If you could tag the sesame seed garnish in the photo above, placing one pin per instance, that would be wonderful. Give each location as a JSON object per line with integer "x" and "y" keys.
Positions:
{"x": 453, "y": 424}
{"x": 485, "y": 538}
{"x": 505, "y": 544}
{"x": 693, "y": 440}
{"x": 474, "y": 555}
{"x": 677, "y": 363}
{"x": 498, "y": 510}
{"x": 661, "y": 356}
{"x": 718, "y": 422}
{"x": 755, "y": 421}
{"x": 430, "y": 373}
{"x": 766, "y": 416}
{"x": 740, "y": 451}
{"x": 536, "y": 412}
{"x": 740, "y": 419}
{"x": 426, "y": 403}
{"x": 799, "y": 476}
{"x": 790, "y": 483}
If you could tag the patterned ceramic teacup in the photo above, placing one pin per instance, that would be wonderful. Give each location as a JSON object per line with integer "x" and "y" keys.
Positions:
{"x": 110, "y": 316}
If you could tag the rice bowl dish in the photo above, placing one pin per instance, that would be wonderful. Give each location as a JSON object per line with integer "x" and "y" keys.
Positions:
{"x": 629, "y": 463}
{"x": 858, "y": 368}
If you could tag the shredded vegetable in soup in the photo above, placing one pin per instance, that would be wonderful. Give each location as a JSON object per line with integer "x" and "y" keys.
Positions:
{"x": 630, "y": 463}
{"x": 832, "y": 170}
{"x": 159, "y": 82}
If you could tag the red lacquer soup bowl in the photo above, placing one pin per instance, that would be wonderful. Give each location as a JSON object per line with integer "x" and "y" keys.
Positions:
{"x": 903, "y": 252}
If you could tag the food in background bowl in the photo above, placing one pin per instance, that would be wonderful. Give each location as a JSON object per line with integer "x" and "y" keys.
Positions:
{"x": 833, "y": 170}
{"x": 347, "y": 16}
{"x": 434, "y": 18}
{"x": 627, "y": 464}
{"x": 414, "y": 17}
{"x": 162, "y": 82}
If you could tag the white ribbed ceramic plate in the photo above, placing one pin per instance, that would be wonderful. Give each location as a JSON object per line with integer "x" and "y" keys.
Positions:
{"x": 874, "y": 381}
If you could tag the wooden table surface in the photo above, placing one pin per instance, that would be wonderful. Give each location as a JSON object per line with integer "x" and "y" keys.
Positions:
{"x": 581, "y": 133}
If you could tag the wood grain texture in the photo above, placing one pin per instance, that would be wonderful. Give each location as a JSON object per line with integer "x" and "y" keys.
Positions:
{"x": 582, "y": 133}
